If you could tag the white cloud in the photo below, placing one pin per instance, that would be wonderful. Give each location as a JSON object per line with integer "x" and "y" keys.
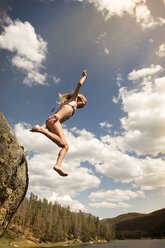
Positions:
{"x": 105, "y": 124}
{"x": 145, "y": 72}
{"x": 143, "y": 126}
{"x": 109, "y": 205}
{"x": 110, "y": 8}
{"x": 161, "y": 51}
{"x": 56, "y": 80}
{"x": 144, "y": 18}
{"x": 152, "y": 180}
{"x": 146, "y": 173}
{"x": 23, "y": 63}
{"x": 113, "y": 198}
{"x": 117, "y": 195}
{"x": 66, "y": 200}
{"x": 35, "y": 77}
{"x": 29, "y": 49}
{"x": 143, "y": 132}
{"x": 160, "y": 85}
{"x": 136, "y": 8}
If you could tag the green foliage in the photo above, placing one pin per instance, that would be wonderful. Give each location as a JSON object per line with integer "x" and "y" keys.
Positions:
{"x": 50, "y": 222}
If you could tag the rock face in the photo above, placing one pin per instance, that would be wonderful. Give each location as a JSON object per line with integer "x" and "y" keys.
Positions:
{"x": 13, "y": 174}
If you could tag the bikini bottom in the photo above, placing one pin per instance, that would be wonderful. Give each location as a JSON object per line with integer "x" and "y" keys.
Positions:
{"x": 54, "y": 117}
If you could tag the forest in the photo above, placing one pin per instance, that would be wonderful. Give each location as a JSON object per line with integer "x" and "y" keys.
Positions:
{"x": 50, "y": 222}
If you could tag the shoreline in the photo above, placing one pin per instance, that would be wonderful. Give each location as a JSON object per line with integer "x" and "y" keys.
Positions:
{"x": 27, "y": 243}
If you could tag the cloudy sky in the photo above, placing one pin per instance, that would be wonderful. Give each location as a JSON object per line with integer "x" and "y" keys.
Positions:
{"x": 116, "y": 159}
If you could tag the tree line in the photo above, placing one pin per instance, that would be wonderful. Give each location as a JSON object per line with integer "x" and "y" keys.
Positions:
{"x": 50, "y": 222}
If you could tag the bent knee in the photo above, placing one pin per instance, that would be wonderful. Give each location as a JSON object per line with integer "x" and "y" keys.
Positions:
{"x": 65, "y": 145}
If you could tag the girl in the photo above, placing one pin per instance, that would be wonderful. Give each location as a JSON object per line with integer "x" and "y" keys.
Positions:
{"x": 68, "y": 104}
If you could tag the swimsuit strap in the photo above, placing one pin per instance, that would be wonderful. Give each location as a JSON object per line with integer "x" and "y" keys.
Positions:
{"x": 74, "y": 106}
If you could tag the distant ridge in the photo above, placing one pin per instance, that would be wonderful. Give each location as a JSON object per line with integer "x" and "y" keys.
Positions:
{"x": 138, "y": 225}
{"x": 123, "y": 217}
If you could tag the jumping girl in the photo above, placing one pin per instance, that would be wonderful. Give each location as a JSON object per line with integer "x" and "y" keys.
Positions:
{"x": 68, "y": 104}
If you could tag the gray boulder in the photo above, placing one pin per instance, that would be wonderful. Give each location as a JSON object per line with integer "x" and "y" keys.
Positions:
{"x": 13, "y": 174}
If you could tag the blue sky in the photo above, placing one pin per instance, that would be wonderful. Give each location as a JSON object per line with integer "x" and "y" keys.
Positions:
{"x": 117, "y": 142}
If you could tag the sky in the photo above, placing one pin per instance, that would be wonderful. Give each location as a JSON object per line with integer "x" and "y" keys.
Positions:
{"x": 116, "y": 157}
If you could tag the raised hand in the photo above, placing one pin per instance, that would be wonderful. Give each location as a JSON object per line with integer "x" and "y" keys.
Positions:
{"x": 84, "y": 73}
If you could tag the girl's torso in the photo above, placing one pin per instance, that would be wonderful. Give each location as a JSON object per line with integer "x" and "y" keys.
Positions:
{"x": 66, "y": 110}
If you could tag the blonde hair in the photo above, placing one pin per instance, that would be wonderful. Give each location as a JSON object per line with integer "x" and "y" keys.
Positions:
{"x": 65, "y": 97}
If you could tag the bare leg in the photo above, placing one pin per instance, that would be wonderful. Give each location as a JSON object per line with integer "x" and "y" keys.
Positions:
{"x": 58, "y": 164}
{"x": 55, "y": 134}
{"x": 52, "y": 136}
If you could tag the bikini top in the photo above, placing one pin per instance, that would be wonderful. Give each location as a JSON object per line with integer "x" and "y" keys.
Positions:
{"x": 73, "y": 104}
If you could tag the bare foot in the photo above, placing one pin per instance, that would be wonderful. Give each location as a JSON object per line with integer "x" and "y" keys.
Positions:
{"x": 60, "y": 171}
{"x": 36, "y": 128}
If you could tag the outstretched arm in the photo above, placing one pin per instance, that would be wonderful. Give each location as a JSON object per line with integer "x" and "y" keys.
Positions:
{"x": 80, "y": 83}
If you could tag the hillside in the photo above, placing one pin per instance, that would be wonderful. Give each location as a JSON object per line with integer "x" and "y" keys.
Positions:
{"x": 134, "y": 225}
{"x": 123, "y": 217}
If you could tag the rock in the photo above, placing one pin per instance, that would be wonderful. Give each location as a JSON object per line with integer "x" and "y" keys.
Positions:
{"x": 12, "y": 245}
{"x": 13, "y": 174}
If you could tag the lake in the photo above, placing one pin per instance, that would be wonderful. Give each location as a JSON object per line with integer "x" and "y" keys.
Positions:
{"x": 149, "y": 243}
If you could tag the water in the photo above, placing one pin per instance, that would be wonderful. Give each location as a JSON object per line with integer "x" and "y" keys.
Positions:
{"x": 150, "y": 243}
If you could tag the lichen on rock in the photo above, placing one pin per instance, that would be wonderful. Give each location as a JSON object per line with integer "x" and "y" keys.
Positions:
{"x": 13, "y": 174}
